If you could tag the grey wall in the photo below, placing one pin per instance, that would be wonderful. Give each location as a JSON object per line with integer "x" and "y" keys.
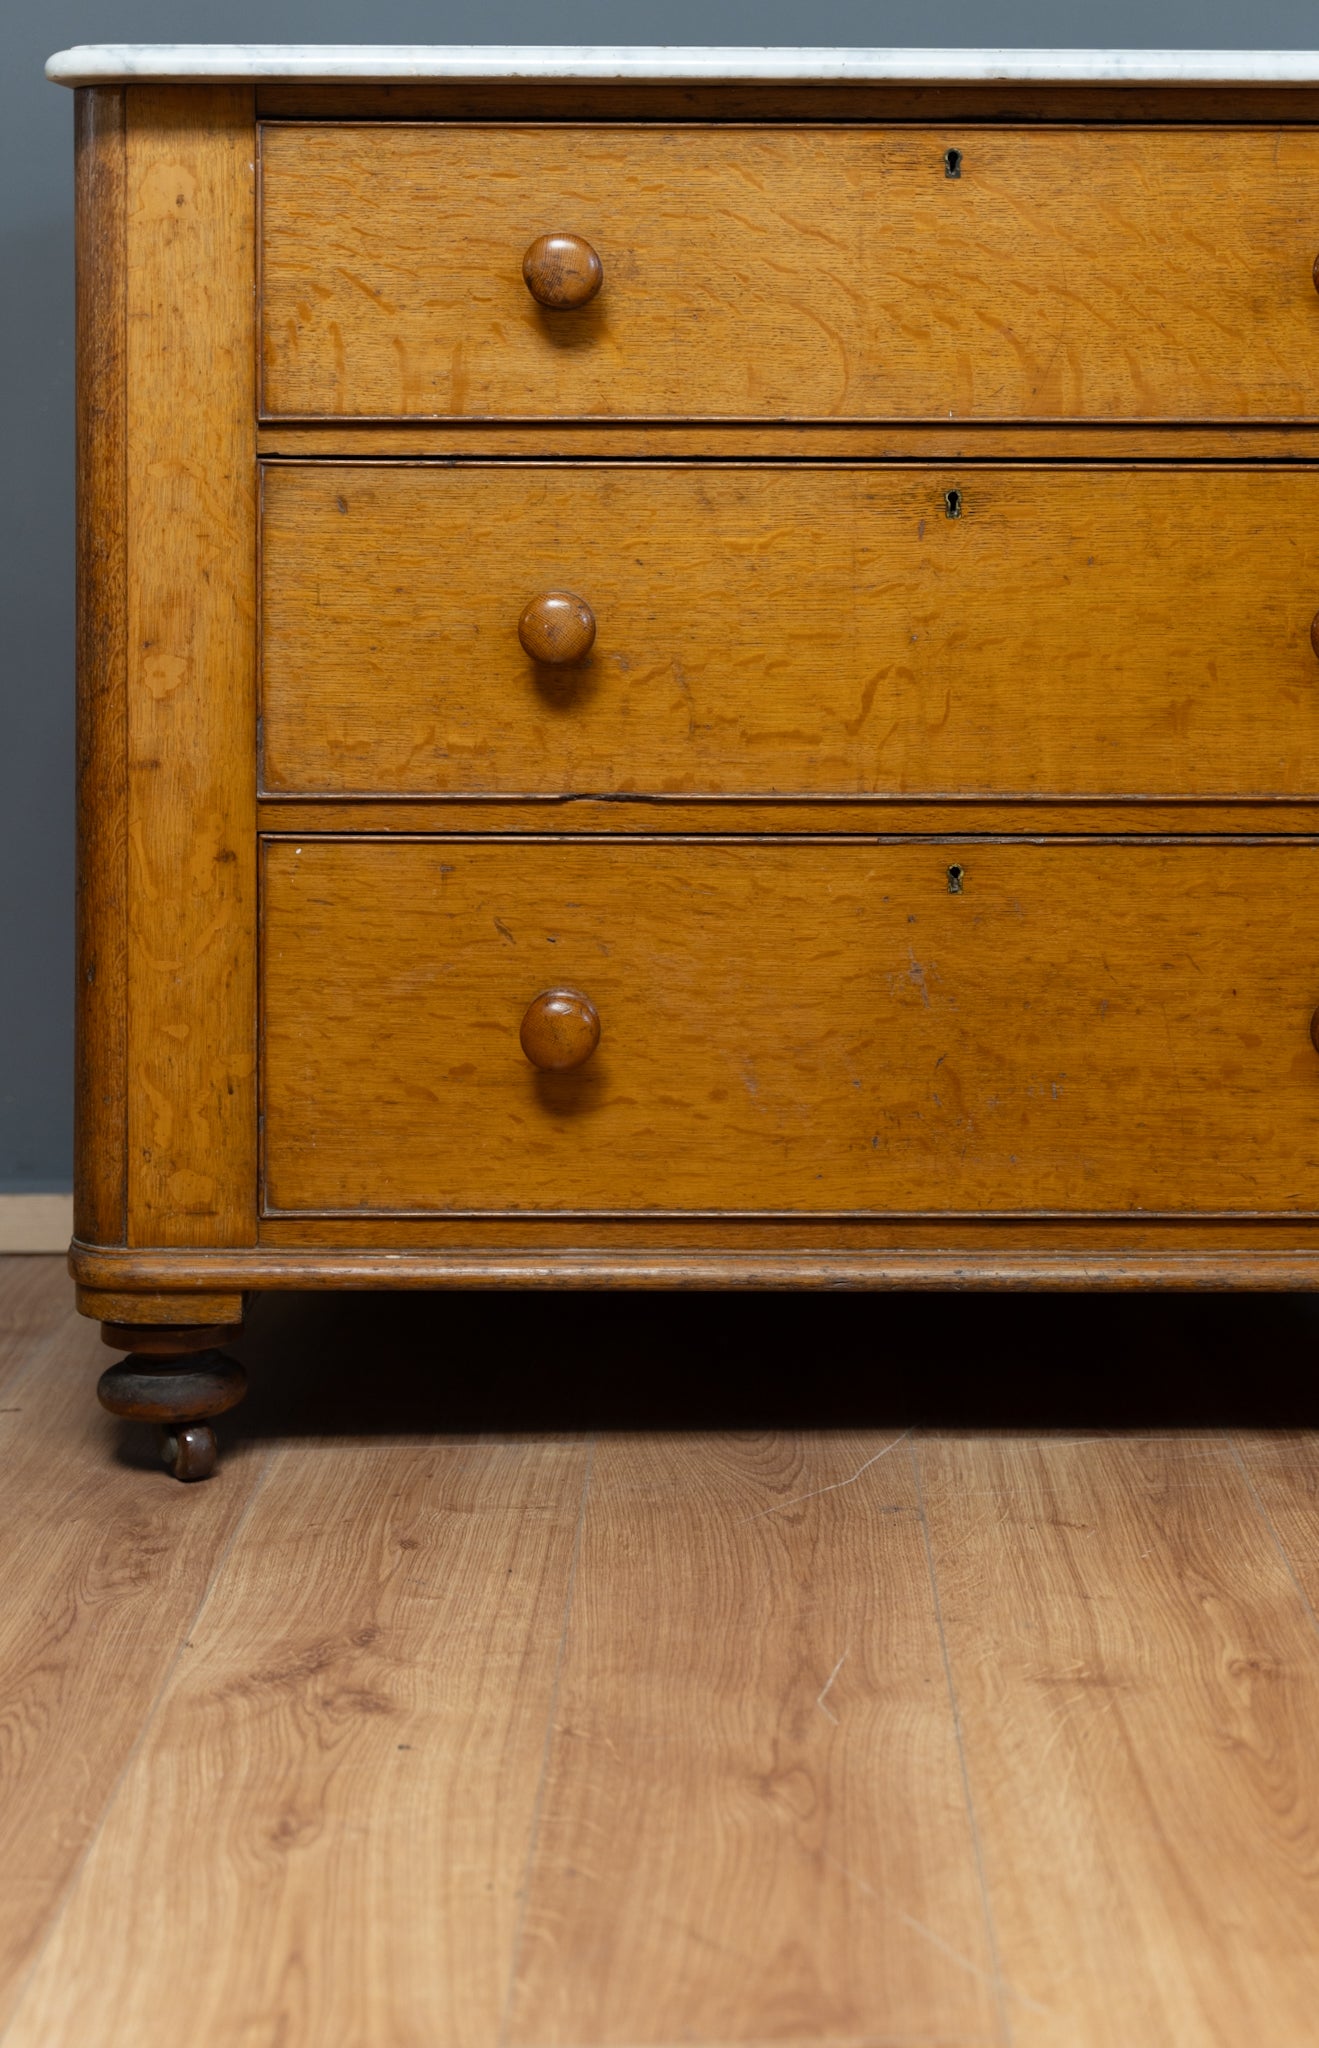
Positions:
{"x": 36, "y": 374}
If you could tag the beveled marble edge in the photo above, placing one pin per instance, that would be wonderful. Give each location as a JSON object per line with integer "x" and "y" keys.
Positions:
{"x": 384, "y": 63}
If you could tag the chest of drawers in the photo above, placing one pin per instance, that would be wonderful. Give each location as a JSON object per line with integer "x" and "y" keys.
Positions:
{"x": 696, "y": 669}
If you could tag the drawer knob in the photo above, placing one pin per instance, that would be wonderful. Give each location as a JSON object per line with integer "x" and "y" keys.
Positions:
{"x": 562, "y": 272}
{"x": 557, "y": 627}
{"x": 560, "y": 1030}
{"x": 1314, "y": 634}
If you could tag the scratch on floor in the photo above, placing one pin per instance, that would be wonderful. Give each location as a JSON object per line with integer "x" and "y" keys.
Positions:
{"x": 798, "y": 1498}
{"x": 819, "y": 1701}
{"x": 945, "y": 1948}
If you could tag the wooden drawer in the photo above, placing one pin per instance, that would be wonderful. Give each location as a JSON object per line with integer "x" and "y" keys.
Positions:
{"x": 775, "y": 273}
{"x": 793, "y": 629}
{"x": 821, "y": 1027}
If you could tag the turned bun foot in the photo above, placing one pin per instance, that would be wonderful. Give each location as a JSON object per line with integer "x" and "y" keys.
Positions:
{"x": 178, "y": 1387}
{"x": 189, "y": 1453}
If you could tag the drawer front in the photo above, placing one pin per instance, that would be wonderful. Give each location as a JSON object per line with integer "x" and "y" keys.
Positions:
{"x": 777, "y": 273}
{"x": 821, "y": 1027}
{"x": 791, "y": 630}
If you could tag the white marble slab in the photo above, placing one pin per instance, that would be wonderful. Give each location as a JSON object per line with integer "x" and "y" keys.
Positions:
{"x": 120, "y": 63}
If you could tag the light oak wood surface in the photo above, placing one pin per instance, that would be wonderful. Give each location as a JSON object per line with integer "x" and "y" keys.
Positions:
{"x": 36, "y": 1305}
{"x": 101, "y": 980}
{"x": 191, "y": 682}
{"x": 1103, "y": 273}
{"x": 1283, "y": 1475}
{"x": 1081, "y": 1585}
{"x": 792, "y": 630}
{"x": 105, "y": 1570}
{"x": 819, "y": 1026}
{"x": 767, "y": 1608}
{"x": 1089, "y": 342}
{"x": 673, "y": 1732}
{"x": 359, "y": 1746}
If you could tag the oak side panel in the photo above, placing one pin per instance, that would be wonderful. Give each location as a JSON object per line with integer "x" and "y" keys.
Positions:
{"x": 321, "y": 1838}
{"x": 106, "y": 1563}
{"x": 1138, "y": 1681}
{"x": 776, "y": 273}
{"x": 794, "y": 630}
{"x": 101, "y": 1063}
{"x": 191, "y": 680}
{"x": 753, "y": 1825}
{"x": 817, "y": 1026}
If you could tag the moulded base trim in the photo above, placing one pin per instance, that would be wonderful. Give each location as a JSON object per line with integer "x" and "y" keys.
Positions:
{"x": 258, "y": 1270}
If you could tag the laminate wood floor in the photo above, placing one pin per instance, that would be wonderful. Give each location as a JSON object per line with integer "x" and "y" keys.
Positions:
{"x": 624, "y": 1672}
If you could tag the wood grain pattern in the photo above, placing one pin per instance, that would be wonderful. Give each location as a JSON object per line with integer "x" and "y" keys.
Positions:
{"x": 792, "y": 630}
{"x": 191, "y": 666}
{"x": 105, "y": 1567}
{"x": 35, "y": 1299}
{"x": 1138, "y": 1683}
{"x": 351, "y": 1751}
{"x": 818, "y": 1026}
{"x": 1135, "y": 1670}
{"x": 834, "y": 272}
{"x": 101, "y": 1061}
{"x": 1282, "y": 1469}
{"x": 712, "y": 1862}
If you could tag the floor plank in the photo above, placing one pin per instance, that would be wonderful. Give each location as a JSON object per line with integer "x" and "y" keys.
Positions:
{"x": 1138, "y": 1682}
{"x": 105, "y": 1565}
{"x": 732, "y": 1785}
{"x": 1282, "y": 1466}
{"x": 320, "y": 1839}
{"x": 36, "y": 1301}
{"x": 754, "y": 1824}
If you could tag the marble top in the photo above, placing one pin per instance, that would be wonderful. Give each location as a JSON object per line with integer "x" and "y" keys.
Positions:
{"x": 120, "y": 63}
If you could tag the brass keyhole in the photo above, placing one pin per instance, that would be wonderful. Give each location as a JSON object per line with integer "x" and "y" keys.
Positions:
{"x": 952, "y": 504}
{"x": 955, "y": 880}
{"x": 952, "y": 163}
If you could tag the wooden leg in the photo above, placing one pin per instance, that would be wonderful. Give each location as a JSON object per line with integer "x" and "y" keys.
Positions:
{"x": 175, "y": 1378}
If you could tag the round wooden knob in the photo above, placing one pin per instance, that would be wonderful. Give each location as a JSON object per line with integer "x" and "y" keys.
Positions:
{"x": 560, "y": 1030}
{"x": 557, "y": 627}
{"x": 562, "y": 272}
{"x": 1314, "y": 635}
{"x": 1314, "y": 1031}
